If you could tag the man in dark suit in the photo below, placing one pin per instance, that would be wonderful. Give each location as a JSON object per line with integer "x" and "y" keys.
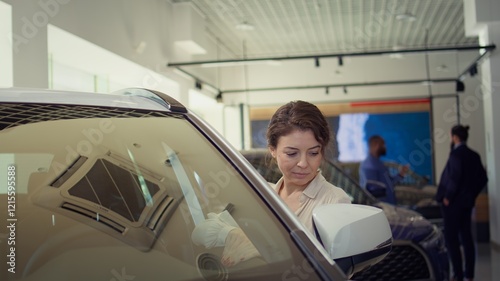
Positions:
{"x": 462, "y": 180}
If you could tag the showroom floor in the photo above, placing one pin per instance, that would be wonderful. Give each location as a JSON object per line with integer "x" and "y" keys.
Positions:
{"x": 488, "y": 263}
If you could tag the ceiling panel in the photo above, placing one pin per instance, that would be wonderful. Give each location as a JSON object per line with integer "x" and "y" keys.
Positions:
{"x": 309, "y": 27}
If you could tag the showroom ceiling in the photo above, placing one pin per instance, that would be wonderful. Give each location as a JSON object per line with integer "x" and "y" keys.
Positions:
{"x": 269, "y": 28}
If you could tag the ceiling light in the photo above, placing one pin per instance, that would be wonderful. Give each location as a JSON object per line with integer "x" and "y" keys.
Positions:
{"x": 396, "y": 47}
{"x": 396, "y": 56}
{"x": 406, "y": 17}
{"x": 245, "y": 26}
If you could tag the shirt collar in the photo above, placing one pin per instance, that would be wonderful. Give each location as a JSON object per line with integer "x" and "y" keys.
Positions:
{"x": 314, "y": 186}
{"x": 311, "y": 190}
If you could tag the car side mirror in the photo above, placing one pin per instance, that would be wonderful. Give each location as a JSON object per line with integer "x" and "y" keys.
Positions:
{"x": 355, "y": 236}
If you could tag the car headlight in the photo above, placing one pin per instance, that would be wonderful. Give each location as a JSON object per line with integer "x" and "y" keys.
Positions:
{"x": 434, "y": 240}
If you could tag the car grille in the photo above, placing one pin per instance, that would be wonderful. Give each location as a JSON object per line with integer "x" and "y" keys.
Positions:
{"x": 404, "y": 262}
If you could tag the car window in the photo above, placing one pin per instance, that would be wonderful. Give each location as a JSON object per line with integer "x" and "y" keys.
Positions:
{"x": 116, "y": 195}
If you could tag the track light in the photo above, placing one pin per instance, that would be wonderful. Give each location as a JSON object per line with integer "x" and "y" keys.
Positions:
{"x": 198, "y": 85}
{"x": 473, "y": 70}
{"x": 218, "y": 98}
{"x": 345, "y": 90}
{"x": 341, "y": 61}
{"x": 327, "y": 90}
{"x": 460, "y": 86}
{"x": 316, "y": 61}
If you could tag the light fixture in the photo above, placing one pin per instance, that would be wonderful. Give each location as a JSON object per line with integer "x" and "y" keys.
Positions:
{"x": 218, "y": 98}
{"x": 245, "y": 26}
{"x": 341, "y": 61}
{"x": 316, "y": 62}
{"x": 396, "y": 48}
{"x": 408, "y": 17}
{"x": 459, "y": 86}
{"x": 473, "y": 70}
{"x": 396, "y": 56}
{"x": 327, "y": 90}
{"x": 345, "y": 90}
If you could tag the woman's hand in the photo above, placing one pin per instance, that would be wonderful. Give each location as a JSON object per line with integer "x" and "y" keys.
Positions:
{"x": 237, "y": 248}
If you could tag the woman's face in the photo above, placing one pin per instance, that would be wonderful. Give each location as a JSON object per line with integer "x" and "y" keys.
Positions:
{"x": 299, "y": 156}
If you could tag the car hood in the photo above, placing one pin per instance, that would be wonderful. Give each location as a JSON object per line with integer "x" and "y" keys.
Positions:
{"x": 406, "y": 224}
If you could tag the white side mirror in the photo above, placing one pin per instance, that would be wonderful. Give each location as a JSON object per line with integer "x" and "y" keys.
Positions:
{"x": 355, "y": 236}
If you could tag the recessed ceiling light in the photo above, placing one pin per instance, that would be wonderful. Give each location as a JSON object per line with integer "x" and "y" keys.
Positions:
{"x": 406, "y": 17}
{"x": 245, "y": 26}
{"x": 396, "y": 56}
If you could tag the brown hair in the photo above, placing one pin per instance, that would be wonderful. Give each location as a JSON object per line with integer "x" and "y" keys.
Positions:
{"x": 299, "y": 115}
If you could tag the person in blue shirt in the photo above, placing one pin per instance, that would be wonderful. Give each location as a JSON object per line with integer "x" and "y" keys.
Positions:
{"x": 375, "y": 176}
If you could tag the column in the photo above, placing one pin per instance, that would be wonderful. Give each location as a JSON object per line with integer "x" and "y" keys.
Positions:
{"x": 29, "y": 44}
{"x": 483, "y": 20}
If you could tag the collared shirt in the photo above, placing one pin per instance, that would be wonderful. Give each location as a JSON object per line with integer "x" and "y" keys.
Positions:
{"x": 318, "y": 192}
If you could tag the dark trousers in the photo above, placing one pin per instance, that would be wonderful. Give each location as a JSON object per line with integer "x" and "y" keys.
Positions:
{"x": 458, "y": 231}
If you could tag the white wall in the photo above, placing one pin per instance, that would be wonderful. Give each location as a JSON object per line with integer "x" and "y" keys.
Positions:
{"x": 445, "y": 113}
{"x": 6, "y": 70}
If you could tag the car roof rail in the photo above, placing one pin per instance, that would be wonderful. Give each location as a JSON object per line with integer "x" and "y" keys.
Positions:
{"x": 162, "y": 98}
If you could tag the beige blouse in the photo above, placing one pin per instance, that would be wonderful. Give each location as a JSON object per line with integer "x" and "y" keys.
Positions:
{"x": 318, "y": 192}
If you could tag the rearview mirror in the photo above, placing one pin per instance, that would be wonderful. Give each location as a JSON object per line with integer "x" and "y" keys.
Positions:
{"x": 355, "y": 236}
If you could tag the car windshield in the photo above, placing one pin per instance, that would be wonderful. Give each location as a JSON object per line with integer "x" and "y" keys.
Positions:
{"x": 101, "y": 193}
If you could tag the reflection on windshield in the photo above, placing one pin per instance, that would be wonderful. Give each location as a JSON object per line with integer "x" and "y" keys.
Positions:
{"x": 187, "y": 188}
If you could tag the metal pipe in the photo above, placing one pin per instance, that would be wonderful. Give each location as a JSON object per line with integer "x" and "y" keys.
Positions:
{"x": 443, "y": 80}
{"x": 352, "y": 54}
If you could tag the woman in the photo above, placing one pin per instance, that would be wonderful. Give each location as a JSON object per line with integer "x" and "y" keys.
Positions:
{"x": 297, "y": 137}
